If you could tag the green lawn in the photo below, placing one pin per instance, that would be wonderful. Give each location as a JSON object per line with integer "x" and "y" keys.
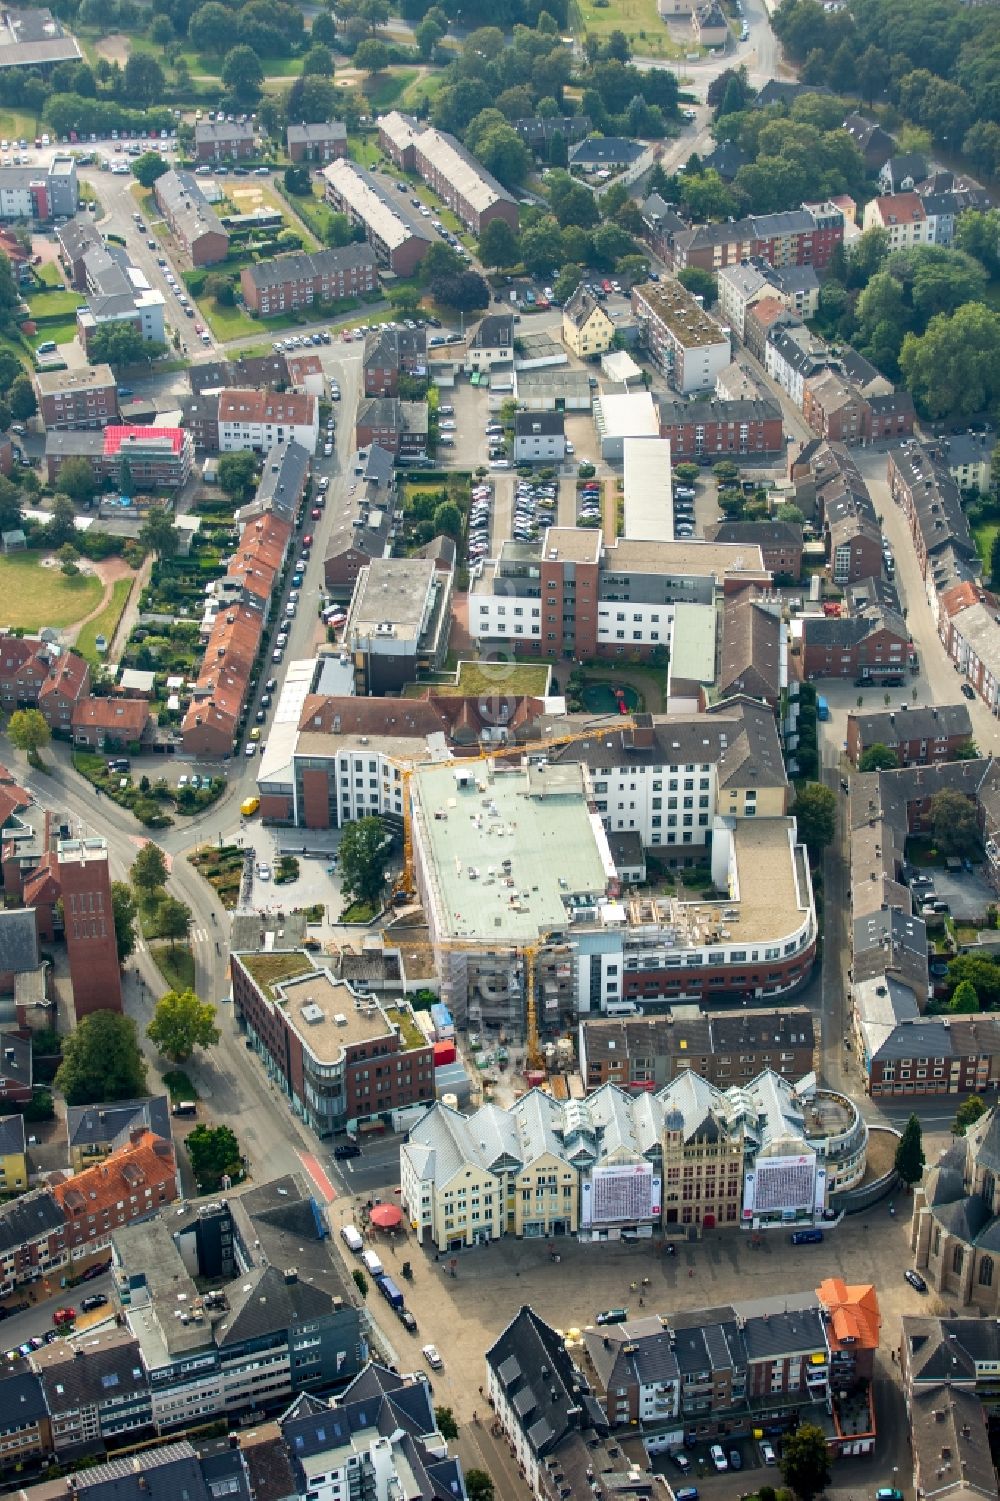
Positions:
{"x": 384, "y": 90}
{"x": 179, "y": 1086}
{"x": 104, "y": 624}
{"x": 499, "y": 677}
{"x": 983, "y": 536}
{"x": 364, "y": 150}
{"x": 54, "y": 305}
{"x": 58, "y": 331}
{"x": 15, "y": 123}
{"x": 49, "y": 275}
{"x": 176, "y": 965}
{"x": 424, "y": 86}
{"x": 37, "y": 596}
{"x": 639, "y": 19}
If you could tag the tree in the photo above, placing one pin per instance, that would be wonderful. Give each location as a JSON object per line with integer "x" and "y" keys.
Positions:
{"x": 21, "y": 399}
{"x": 360, "y": 1281}
{"x": 446, "y": 1425}
{"x": 464, "y": 292}
{"x": 121, "y": 344}
{"x": 297, "y": 181}
{"x": 953, "y": 368}
{"x": 542, "y": 246}
{"x": 124, "y": 912}
{"x": 364, "y": 858}
{"x": 568, "y": 280}
{"x": 68, "y": 560}
{"x": 76, "y": 479}
{"x": 440, "y": 260}
{"x": 805, "y": 1461}
{"x": 237, "y": 473}
{"x": 102, "y": 1060}
{"x": 158, "y": 533}
{"x": 243, "y": 74}
{"x": 211, "y": 28}
{"x": 815, "y": 813}
{"x": 967, "y": 1114}
{"x": 502, "y": 152}
{"x": 427, "y": 35}
{"x": 910, "y": 1153}
{"x": 981, "y": 973}
{"x": 878, "y": 758}
{"x": 479, "y": 1485}
{"x": 173, "y": 918}
{"x": 964, "y": 1000}
{"x": 29, "y": 732}
{"x": 498, "y": 244}
{"x": 149, "y": 871}
{"x": 867, "y": 254}
{"x": 148, "y": 167}
{"x": 215, "y": 1154}
{"x": 61, "y": 525}
{"x": 324, "y": 29}
{"x": 953, "y": 823}
{"x": 700, "y": 283}
{"x": 371, "y": 57}
{"x": 319, "y": 61}
{"x": 143, "y": 81}
{"x": 967, "y": 751}
{"x": 448, "y": 519}
{"x": 181, "y": 1023}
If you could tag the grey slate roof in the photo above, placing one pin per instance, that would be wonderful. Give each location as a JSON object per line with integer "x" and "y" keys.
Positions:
{"x": 303, "y": 267}
{"x": 605, "y": 151}
{"x": 328, "y": 130}
{"x": 87, "y": 1125}
{"x": 28, "y": 1217}
{"x": 12, "y": 1138}
{"x": 111, "y": 1371}
{"x": 547, "y": 1405}
{"x": 22, "y": 1400}
{"x": 495, "y": 331}
{"x": 271, "y": 1305}
{"x": 167, "y": 1474}
{"x": 15, "y": 1060}
{"x": 18, "y": 941}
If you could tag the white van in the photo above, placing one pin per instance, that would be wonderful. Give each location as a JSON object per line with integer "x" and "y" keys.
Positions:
{"x": 352, "y": 1240}
{"x": 372, "y": 1264}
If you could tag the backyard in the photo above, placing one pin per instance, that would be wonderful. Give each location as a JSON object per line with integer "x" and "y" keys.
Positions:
{"x": 37, "y": 596}
{"x": 105, "y": 624}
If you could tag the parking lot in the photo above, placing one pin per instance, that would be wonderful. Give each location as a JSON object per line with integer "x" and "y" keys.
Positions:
{"x": 967, "y": 893}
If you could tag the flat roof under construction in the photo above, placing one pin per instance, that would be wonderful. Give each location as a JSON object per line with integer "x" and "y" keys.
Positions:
{"x": 473, "y": 818}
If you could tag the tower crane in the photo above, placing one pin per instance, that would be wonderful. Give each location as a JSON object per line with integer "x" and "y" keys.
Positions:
{"x": 405, "y": 884}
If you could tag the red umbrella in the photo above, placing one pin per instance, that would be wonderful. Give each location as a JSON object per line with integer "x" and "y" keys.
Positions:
{"x": 387, "y": 1216}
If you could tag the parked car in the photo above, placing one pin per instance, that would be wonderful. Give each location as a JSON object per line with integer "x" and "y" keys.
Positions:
{"x": 612, "y": 1316}
{"x": 433, "y": 1359}
{"x": 718, "y": 1457}
{"x": 915, "y": 1280}
{"x": 95, "y": 1300}
{"x": 968, "y": 691}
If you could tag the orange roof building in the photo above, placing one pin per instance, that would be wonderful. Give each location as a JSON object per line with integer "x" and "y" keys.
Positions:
{"x": 132, "y": 1183}
{"x": 100, "y": 722}
{"x": 853, "y": 1320}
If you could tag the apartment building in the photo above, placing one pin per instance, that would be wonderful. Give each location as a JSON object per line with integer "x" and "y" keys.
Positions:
{"x": 148, "y": 458}
{"x": 119, "y": 293}
{"x": 556, "y": 1427}
{"x": 390, "y": 353}
{"x": 42, "y": 194}
{"x": 132, "y": 1183}
{"x": 342, "y": 1059}
{"x": 901, "y": 216}
{"x": 361, "y": 529}
{"x": 923, "y": 488}
{"x": 27, "y": 1429}
{"x": 224, "y": 141}
{"x": 454, "y": 173}
{"x": 298, "y": 281}
{"x": 780, "y": 543}
{"x": 77, "y": 398}
{"x": 587, "y": 331}
{"x": 13, "y": 1156}
{"x": 796, "y": 287}
{"x": 261, "y": 420}
{"x": 324, "y": 141}
{"x": 396, "y": 233}
{"x": 797, "y": 237}
{"x": 75, "y": 239}
{"x": 572, "y": 595}
{"x": 491, "y": 343}
{"x": 725, "y": 1048}
{"x": 688, "y": 346}
{"x": 45, "y": 676}
{"x": 95, "y": 1131}
{"x": 713, "y": 428}
{"x": 916, "y": 736}
{"x": 211, "y": 724}
{"x": 870, "y": 646}
{"x": 398, "y": 622}
{"x": 191, "y": 217}
{"x": 97, "y": 1397}
{"x": 733, "y": 1371}
{"x": 398, "y": 427}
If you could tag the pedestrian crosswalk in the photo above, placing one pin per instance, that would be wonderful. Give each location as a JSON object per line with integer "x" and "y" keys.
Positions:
{"x": 199, "y": 935}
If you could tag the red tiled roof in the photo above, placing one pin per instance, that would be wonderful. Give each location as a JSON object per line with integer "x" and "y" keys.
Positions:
{"x": 147, "y": 1162}
{"x": 69, "y": 676}
{"x": 266, "y": 406}
{"x": 127, "y": 714}
{"x": 959, "y": 598}
{"x": 115, "y": 437}
{"x": 900, "y": 208}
